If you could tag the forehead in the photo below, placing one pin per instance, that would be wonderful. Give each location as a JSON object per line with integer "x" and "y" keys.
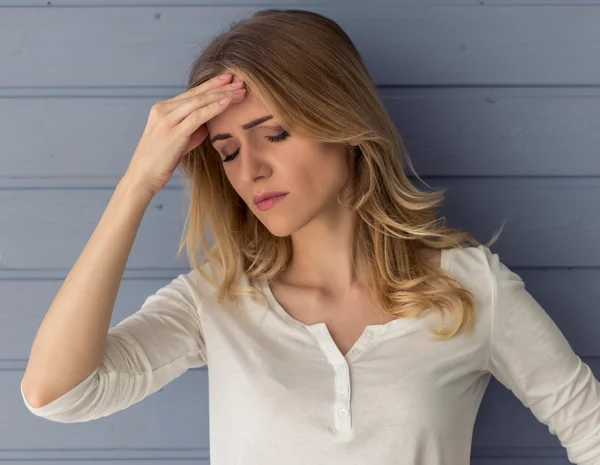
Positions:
{"x": 235, "y": 115}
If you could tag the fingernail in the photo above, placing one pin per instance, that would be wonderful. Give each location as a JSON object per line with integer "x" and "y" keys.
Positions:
{"x": 225, "y": 76}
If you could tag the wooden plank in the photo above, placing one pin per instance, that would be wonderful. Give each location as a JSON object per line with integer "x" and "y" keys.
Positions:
{"x": 491, "y": 132}
{"x": 520, "y": 461}
{"x": 570, "y": 297}
{"x": 35, "y": 457}
{"x": 498, "y": 132}
{"x": 285, "y": 3}
{"x": 27, "y": 301}
{"x": 415, "y": 45}
{"x": 158, "y": 3}
{"x": 502, "y": 424}
{"x": 547, "y": 222}
{"x": 181, "y": 406}
{"x": 56, "y": 225}
{"x": 550, "y": 222}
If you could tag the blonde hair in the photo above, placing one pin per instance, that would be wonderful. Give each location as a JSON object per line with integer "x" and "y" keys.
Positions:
{"x": 305, "y": 69}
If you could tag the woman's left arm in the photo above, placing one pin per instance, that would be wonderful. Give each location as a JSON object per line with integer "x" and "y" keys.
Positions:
{"x": 531, "y": 357}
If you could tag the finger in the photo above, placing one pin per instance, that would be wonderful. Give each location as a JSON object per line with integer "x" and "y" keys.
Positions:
{"x": 192, "y": 104}
{"x": 171, "y": 105}
{"x": 212, "y": 83}
{"x": 196, "y": 138}
{"x": 201, "y": 115}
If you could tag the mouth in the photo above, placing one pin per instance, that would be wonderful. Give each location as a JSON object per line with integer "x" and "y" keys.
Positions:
{"x": 269, "y": 202}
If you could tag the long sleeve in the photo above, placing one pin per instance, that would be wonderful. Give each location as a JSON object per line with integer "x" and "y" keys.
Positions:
{"x": 144, "y": 352}
{"x": 531, "y": 357}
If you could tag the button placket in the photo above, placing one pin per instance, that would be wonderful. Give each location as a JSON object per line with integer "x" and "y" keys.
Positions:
{"x": 342, "y": 410}
{"x": 359, "y": 346}
{"x": 341, "y": 407}
{"x": 341, "y": 364}
{"x": 341, "y": 403}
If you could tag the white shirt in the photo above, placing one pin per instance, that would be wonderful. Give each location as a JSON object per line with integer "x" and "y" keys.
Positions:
{"x": 281, "y": 392}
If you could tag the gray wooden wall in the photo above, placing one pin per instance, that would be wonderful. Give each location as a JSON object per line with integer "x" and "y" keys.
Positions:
{"x": 497, "y": 100}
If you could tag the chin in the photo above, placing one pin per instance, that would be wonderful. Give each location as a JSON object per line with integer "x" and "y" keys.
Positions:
{"x": 280, "y": 230}
{"x": 280, "y": 225}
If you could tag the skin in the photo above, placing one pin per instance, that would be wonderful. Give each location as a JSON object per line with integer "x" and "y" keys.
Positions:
{"x": 311, "y": 172}
{"x": 322, "y": 231}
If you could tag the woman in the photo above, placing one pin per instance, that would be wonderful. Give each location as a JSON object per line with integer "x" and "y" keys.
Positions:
{"x": 314, "y": 307}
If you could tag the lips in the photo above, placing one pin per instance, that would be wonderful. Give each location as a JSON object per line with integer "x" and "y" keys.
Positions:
{"x": 266, "y": 195}
{"x": 269, "y": 202}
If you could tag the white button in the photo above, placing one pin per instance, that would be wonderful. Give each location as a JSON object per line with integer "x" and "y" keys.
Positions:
{"x": 342, "y": 390}
{"x": 368, "y": 332}
{"x": 357, "y": 350}
{"x": 343, "y": 413}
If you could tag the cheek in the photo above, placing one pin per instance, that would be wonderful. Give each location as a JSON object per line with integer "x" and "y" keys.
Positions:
{"x": 320, "y": 174}
{"x": 234, "y": 181}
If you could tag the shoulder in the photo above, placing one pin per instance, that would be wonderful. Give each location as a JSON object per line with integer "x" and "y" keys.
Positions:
{"x": 205, "y": 281}
{"x": 465, "y": 258}
{"x": 469, "y": 260}
{"x": 475, "y": 268}
{"x": 482, "y": 272}
{"x": 471, "y": 266}
{"x": 193, "y": 285}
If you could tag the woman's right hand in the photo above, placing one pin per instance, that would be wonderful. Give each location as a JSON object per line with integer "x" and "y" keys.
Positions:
{"x": 177, "y": 126}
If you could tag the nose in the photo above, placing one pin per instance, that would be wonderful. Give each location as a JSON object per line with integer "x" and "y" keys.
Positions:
{"x": 252, "y": 166}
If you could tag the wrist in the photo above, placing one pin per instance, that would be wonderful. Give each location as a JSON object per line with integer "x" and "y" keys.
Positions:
{"x": 132, "y": 186}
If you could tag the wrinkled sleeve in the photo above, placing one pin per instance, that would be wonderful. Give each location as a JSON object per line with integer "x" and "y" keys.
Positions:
{"x": 530, "y": 356}
{"x": 144, "y": 352}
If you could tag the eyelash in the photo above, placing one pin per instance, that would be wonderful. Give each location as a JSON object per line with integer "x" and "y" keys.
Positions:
{"x": 279, "y": 137}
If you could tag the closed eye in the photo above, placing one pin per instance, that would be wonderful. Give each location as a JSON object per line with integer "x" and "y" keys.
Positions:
{"x": 279, "y": 137}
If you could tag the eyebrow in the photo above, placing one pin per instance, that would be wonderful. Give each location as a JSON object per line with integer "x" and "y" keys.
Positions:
{"x": 246, "y": 126}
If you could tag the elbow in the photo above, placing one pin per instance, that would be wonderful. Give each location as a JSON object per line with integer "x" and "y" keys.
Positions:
{"x": 35, "y": 402}
{"x": 32, "y": 397}
{"x": 81, "y": 403}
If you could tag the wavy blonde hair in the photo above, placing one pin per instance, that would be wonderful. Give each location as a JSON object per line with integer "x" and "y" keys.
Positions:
{"x": 305, "y": 69}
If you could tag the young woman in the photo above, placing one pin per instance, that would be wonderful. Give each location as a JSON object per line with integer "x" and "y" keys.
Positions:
{"x": 315, "y": 306}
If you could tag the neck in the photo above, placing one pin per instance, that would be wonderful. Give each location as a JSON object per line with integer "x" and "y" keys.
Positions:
{"x": 323, "y": 252}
